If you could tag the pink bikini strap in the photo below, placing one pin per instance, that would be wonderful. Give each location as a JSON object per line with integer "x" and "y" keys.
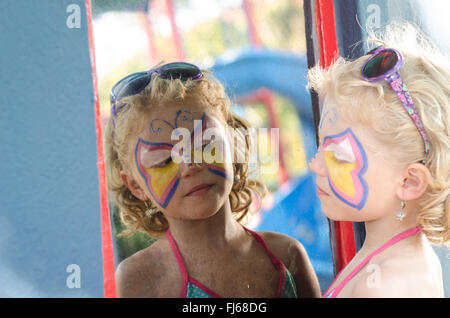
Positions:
{"x": 180, "y": 262}
{"x": 391, "y": 242}
{"x": 279, "y": 266}
{"x": 329, "y": 287}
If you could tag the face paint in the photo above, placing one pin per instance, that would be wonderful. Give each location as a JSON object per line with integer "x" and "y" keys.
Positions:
{"x": 154, "y": 160}
{"x": 329, "y": 115}
{"x": 346, "y": 161}
{"x": 161, "y": 182}
{"x": 181, "y": 115}
{"x": 214, "y": 151}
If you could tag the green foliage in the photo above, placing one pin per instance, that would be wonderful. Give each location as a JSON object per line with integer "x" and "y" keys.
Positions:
{"x": 126, "y": 246}
{"x": 213, "y": 37}
{"x": 281, "y": 25}
{"x": 290, "y": 136}
{"x": 135, "y": 64}
{"x": 203, "y": 41}
{"x": 101, "y": 6}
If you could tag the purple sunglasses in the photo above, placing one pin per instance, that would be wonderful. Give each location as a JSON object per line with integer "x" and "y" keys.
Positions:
{"x": 135, "y": 83}
{"x": 384, "y": 64}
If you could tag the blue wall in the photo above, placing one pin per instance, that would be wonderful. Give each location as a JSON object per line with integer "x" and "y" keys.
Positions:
{"x": 50, "y": 213}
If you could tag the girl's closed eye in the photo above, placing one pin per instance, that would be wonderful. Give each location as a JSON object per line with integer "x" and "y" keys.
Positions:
{"x": 206, "y": 143}
{"x": 341, "y": 158}
{"x": 163, "y": 163}
{"x": 155, "y": 158}
{"x": 342, "y": 152}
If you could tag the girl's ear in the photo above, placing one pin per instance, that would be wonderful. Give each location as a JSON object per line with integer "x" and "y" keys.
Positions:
{"x": 133, "y": 186}
{"x": 415, "y": 182}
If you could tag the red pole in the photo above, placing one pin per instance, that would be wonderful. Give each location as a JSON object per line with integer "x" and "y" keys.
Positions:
{"x": 175, "y": 33}
{"x": 326, "y": 32}
{"x": 254, "y": 37}
{"x": 109, "y": 282}
{"x": 146, "y": 21}
{"x": 342, "y": 233}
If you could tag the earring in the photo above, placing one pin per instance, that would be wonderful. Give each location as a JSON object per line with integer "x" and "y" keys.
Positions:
{"x": 400, "y": 214}
{"x": 149, "y": 210}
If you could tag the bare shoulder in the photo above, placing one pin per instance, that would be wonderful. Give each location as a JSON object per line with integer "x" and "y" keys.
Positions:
{"x": 398, "y": 277}
{"x": 294, "y": 256}
{"x": 283, "y": 247}
{"x": 139, "y": 275}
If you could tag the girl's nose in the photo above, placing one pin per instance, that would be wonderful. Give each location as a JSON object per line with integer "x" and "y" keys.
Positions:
{"x": 195, "y": 165}
{"x": 317, "y": 165}
{"x": 190, "y": 169}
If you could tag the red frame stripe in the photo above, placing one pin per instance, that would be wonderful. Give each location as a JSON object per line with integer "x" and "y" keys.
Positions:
{"x": 342, "y": 233}
{"x": 254, "y": 36}
{"x": 109, "y": 282}
{"x": 326, "y": 32}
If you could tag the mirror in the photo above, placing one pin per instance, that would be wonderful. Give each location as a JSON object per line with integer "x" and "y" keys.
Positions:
{"x": 259, "y": 53}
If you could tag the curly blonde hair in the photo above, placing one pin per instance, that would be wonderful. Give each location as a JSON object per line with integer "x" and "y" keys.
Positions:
{"x": 426, "y": 72}
{"x": 128, "y": 122}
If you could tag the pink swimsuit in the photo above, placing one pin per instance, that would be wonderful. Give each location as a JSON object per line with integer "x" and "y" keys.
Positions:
{"x": 335, "y": 291}
{"x": 192, "y": 288}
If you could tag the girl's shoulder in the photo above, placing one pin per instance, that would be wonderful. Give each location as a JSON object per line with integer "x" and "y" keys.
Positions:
{"x": 283, "y": 247}
{"x": 143, "y": 273}
{"x": 407, "y": 273}
{"x": 294, "y": 256}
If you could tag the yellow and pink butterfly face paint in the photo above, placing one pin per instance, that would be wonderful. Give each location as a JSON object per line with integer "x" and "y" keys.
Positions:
{"x": 346, "y": 162}
{"x": 163, "y": 180}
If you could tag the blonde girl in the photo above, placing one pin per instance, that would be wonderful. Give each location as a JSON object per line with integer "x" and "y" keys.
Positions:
{"x": 384, "y": 159}
{"x": 169, "y": 190}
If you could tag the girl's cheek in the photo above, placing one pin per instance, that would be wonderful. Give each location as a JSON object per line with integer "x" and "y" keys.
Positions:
{"x": 340, "y": 174}
{"x": 160, "y": 179}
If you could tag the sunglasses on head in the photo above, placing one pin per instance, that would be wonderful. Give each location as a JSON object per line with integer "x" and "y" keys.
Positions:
{"x": 135, "y": 83}
{"x": 384, "y": 64}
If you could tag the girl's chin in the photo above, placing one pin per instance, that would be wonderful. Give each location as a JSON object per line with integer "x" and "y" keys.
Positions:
{"x": 194, "y": 212}
{"x": 196, "y": 216}
{"x": 349, "y": 216}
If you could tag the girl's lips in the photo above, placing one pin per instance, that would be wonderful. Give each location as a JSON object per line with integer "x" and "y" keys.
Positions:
{"x": 320, "y": 192}
{"x": 199, "y": 190}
